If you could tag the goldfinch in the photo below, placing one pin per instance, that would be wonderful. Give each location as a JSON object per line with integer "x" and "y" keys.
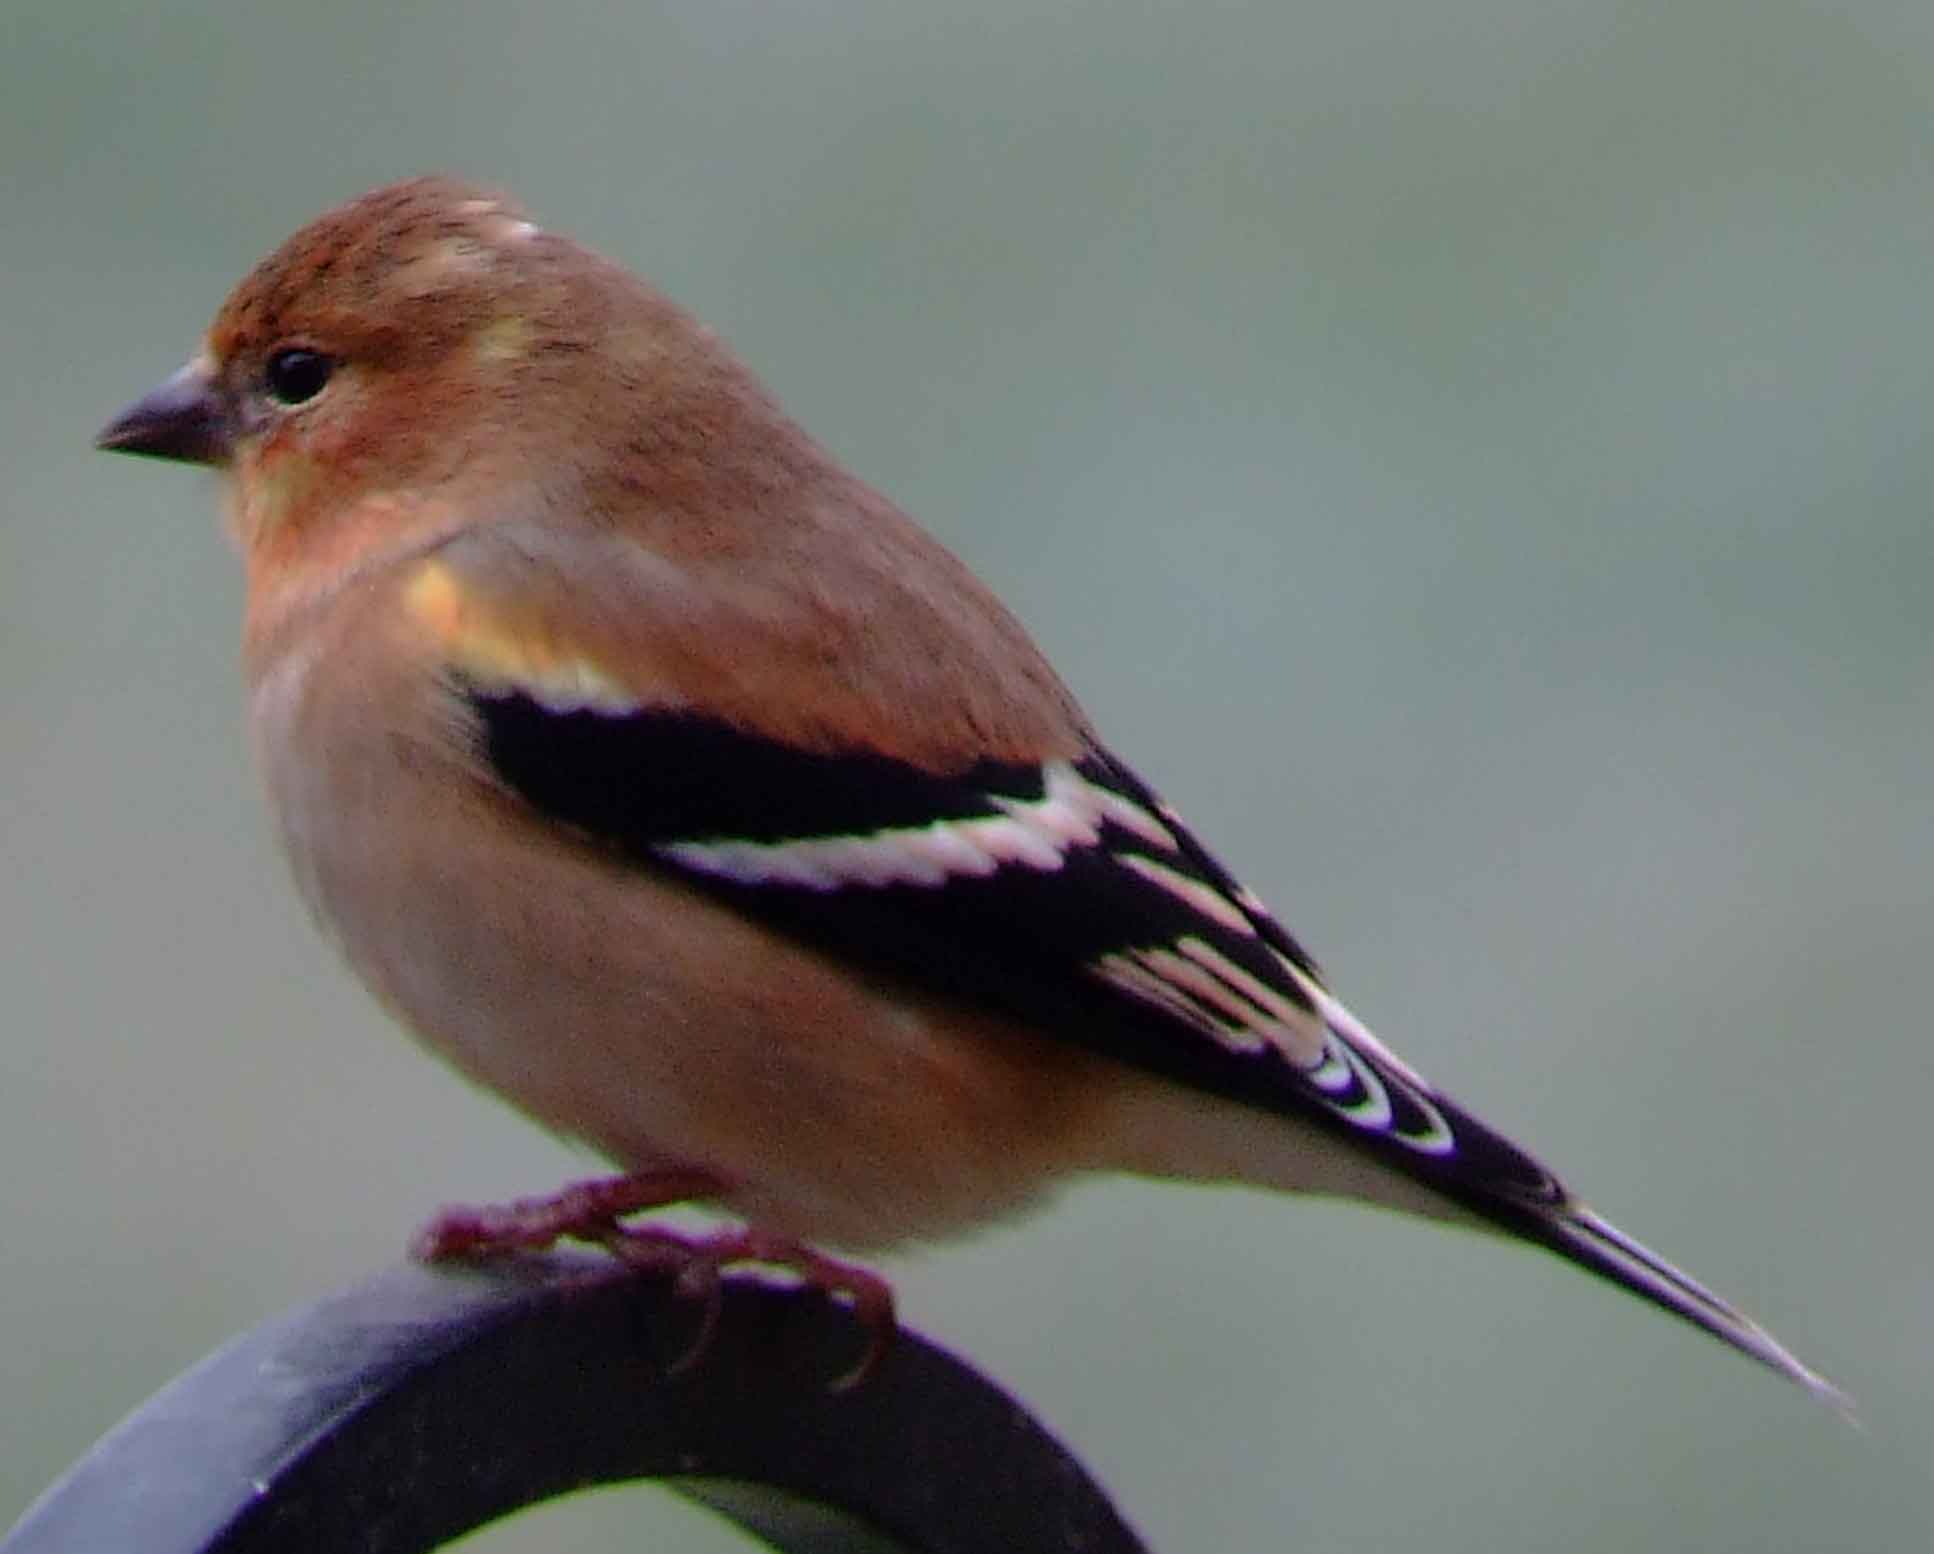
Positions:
{"x": 667, "y": 780}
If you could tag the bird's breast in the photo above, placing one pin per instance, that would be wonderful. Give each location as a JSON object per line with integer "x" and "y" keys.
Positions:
{"x": 616, "y": 1004}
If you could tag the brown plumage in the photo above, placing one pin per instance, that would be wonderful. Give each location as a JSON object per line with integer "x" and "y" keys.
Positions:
{"x": 669, "y": 781}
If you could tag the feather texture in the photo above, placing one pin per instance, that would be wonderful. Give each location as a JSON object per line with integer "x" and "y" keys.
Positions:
{"x": 673, "y": 783}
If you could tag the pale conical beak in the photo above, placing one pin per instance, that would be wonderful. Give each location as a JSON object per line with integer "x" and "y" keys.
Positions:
{"x": 183, "y": 419}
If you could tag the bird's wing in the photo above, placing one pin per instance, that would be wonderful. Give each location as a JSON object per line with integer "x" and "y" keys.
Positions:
{"x": 1061, "y": 890}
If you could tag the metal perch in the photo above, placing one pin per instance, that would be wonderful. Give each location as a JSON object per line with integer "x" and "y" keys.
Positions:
{"x": 396, "y": 1416}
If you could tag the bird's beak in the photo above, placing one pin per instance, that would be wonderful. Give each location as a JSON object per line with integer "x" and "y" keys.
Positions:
{"x": 185, "y": 419}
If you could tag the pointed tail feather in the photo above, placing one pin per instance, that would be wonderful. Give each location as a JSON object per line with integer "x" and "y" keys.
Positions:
{"x": 1576, "y": 1233}
{"x": 1447, "y": 1148}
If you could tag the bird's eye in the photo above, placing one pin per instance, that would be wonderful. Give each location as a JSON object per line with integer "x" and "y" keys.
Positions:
{"x": 296, "y": 376}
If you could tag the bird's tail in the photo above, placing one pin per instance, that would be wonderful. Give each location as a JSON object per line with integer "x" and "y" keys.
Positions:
{"x": 1498, "y": 1182}
{"x": 1577, "y": 1234}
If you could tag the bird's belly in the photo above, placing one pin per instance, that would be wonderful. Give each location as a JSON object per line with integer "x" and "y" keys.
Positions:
{"x": 616, "y": 1005}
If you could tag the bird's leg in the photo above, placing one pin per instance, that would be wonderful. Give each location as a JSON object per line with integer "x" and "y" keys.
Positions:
{"x": 698, "y": 1263}
{"x": 595, "y": 1211}
{"x": 584, "y": 1211}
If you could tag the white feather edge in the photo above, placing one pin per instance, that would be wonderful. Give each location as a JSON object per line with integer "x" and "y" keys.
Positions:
{"x": 1192, "y": 981}
{"x": 1031, "y": 833}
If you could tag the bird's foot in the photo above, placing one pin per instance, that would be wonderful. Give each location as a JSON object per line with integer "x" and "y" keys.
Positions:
{"x": 584, "y": 1211}
{"x": 698, "y": 1263}
{"x": 595, "y": 1211}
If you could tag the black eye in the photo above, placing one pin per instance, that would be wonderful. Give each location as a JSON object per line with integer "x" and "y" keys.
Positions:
{"x": 296, "y": 376}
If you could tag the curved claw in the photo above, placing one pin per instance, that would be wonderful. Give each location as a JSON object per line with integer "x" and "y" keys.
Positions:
{"x": 698, "y": 1264}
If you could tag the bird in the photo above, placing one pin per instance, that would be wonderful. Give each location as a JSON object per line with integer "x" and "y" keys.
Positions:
{"x": 666, "y": 779}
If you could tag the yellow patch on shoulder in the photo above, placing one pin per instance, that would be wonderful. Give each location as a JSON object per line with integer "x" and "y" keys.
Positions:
{"x": 492, "y": 647}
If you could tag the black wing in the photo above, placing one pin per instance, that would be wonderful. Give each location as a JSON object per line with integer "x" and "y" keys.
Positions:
{"x": 1066, "y": 893}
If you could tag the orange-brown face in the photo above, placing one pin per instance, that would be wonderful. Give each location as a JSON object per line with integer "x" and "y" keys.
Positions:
{"x": 379, "y": 350}
{"x": 423, "y": 360}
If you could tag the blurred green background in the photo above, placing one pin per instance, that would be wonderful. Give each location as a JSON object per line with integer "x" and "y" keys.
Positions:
{"x": 1473, "y": 457}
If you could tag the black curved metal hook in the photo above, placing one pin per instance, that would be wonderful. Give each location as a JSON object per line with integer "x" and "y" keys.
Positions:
{"x": 395, "y": 1416}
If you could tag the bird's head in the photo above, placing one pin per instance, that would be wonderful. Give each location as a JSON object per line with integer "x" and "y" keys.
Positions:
{"x": 425, "y": 345}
